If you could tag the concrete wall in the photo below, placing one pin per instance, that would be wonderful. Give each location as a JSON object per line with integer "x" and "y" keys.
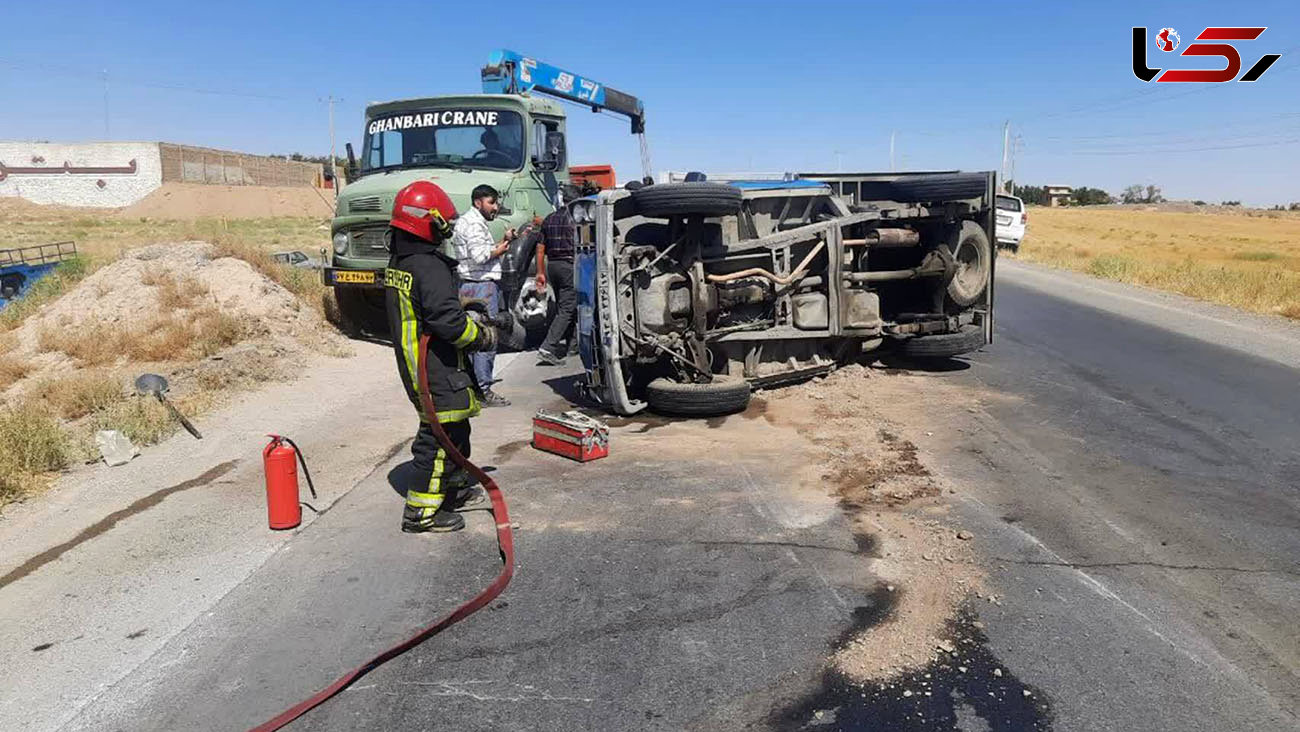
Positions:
{"x": 185, "y": 164}
{"x": 101, "y": 174}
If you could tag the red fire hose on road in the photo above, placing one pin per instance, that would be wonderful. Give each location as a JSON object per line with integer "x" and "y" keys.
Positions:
{"x": 505, "y": 543}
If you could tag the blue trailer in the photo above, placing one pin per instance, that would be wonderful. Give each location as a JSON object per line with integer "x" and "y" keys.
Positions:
{"x": 21, "y": 268}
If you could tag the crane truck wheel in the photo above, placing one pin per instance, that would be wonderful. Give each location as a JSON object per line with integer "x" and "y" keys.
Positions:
{"x": 360, "y": 313}
{"x": 667, "y": 200}
{"x": 974, "y": 263}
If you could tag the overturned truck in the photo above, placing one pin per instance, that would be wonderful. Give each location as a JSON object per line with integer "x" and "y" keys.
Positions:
{"x": 691, "y": 294}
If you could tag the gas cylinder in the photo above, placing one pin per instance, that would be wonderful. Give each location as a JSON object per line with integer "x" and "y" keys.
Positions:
{"x": 279, "y": 461}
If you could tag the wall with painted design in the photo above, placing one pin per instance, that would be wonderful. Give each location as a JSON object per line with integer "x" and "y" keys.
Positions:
{"x": 98, "y": 174}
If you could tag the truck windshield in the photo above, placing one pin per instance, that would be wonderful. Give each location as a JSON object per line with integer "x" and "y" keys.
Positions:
{"x": 474, "y": 138}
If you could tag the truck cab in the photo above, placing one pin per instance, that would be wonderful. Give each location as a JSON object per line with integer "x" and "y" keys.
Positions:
{"x": 512, "y": 142}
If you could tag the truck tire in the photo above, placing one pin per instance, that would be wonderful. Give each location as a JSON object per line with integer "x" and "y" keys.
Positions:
{"x": 667, "y": 200}
{"x": 926, "y": 188}
{"x": 975, "y": 258}
{"x": 723, "y": 395}
{"x": 943, "y": 345}
{"x": 360, "y": 313}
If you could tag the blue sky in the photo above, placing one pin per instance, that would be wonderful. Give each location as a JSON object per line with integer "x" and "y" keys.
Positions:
{"x": 727, "y": 86}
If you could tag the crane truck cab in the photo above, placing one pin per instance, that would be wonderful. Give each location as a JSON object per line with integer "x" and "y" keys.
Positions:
{"x": 512, "y": 142}
{"x": 510, "y": 137}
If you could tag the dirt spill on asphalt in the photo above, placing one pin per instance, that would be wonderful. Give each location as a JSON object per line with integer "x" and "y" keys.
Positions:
{"x": 894, "y": 503}
{"x": 109, "y": 521}
{"x": 964, "y": 683}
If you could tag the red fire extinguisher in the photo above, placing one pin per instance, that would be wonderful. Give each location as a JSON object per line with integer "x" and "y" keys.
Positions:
{"x": 282, "y": 509}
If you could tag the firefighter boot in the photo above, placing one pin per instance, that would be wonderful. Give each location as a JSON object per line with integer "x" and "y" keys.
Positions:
{"x": 421, "y": 519}
{"x": 461, "y": 491}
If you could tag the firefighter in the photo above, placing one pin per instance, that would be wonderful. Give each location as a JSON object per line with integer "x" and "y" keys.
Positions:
{"x": 422, "y": 286}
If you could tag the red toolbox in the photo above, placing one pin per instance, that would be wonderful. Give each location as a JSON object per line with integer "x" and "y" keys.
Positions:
{"x": 571, "y": 434}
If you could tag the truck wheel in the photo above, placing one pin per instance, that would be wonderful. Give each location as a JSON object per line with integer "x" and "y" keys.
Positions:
{"x": 667, "y": 200}
{"x": 723, "y": 395}
{"x": 360, "y": 313}
{"x": 925, "y": 188}
{"x": 943, "y": 345}
{"x": 973, "y": 257}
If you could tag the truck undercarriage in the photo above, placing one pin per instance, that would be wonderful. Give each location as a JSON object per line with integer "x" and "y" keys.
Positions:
{"x": 692, "y": 293}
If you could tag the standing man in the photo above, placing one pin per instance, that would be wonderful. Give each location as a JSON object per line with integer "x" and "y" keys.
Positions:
{"x": 480, "y": 270}
{"x": 421, "y": 294}
{"x": 555, "y": 267}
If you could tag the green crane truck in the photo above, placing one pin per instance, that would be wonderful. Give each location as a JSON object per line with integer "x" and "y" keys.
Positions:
{"x": 509, "y": 137}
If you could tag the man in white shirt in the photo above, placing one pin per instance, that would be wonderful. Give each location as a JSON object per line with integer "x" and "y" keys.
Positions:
{"x": 479, "y": 254}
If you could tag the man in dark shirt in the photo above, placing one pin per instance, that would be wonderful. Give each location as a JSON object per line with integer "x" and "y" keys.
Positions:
{"x": 555, "y": 266}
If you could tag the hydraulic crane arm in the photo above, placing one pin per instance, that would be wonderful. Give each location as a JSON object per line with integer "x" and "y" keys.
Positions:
{"x": 509, "y": 72}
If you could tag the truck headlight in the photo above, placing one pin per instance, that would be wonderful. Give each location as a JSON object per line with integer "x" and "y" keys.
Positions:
{"x": 341, "y": 243}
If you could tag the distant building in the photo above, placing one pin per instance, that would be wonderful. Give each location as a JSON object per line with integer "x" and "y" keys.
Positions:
{"x": 1057, "y": 195}
{"x": 117, "y": 174}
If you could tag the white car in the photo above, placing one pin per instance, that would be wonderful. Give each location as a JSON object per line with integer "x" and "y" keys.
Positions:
{"x": 1011, "y": 222}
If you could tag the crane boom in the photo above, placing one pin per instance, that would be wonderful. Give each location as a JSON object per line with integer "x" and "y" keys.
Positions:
{"x": 510, "y": 72}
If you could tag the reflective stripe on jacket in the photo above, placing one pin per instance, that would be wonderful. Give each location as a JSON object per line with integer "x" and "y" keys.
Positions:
{"x": 422, "y": 296}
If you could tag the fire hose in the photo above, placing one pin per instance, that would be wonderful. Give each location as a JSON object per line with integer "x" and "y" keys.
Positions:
{"x": 505, "y": 544}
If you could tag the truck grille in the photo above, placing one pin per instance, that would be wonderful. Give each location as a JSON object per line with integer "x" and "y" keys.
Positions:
{"x": 370, "y": 242}
{"x": 365, "y": 203}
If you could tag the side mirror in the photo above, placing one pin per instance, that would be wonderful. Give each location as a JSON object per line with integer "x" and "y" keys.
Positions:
{"x": 552, "y": 157}
{"x": 351, "y": 169}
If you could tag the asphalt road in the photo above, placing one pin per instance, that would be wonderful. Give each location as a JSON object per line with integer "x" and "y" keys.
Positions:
{"x": 1130, "y": 476}
{"x": 650, "y": 592}
{"x": 1142, "y": 455}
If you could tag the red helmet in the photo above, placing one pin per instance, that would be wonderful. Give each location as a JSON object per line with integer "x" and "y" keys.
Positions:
{"x": 423, "y": 209}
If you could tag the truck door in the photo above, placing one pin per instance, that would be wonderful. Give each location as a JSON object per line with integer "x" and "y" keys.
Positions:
{"x": 548, "y": 181}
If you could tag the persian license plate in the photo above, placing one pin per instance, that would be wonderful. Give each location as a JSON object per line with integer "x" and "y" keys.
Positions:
{"x": 355, "y": 278}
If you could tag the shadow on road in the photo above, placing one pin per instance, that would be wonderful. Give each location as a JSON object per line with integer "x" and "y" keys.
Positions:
{"x": 405, "y": 475}
{"x": 895, "y": 364}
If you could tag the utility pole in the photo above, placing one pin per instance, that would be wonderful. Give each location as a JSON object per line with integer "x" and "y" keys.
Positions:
{"x": 333, "y": 168}
{"x": 892, "y": 134}
{"x": 1006, "y": 140}
{"x": 1017, "y": 145}
{"x": 104, "y": 74}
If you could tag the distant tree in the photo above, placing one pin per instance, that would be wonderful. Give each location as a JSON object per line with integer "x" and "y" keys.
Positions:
{"x": 1036, "y": 195}
{"x": 322, "y": 159}
{"x": 1085, "y": 196}
{"x": 1231, "y": 203}
{"x": 1295, "y": 206}
{"x": 1198, "y": 202}
{"x": 1137, "y": 193}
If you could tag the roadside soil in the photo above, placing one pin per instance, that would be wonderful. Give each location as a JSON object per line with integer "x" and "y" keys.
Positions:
{"x": 186, "y": 201}
{"x": 210, "y": 324}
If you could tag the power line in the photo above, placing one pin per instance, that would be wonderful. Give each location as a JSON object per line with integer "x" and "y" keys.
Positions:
{"x": 147, "y": 84}
{"x": 1174, "y": 151}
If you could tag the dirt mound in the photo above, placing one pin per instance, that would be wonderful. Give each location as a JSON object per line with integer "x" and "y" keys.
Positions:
{"x": 12, "y": 206}
{"x": 163, "y": 303}
{"x": 196, "y": 200}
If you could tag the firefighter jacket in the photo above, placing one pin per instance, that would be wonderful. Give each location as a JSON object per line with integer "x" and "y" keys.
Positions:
{"x": 422, "y": 297}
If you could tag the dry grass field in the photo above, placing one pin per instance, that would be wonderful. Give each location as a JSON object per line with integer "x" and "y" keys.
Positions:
{"x": 1247, "y": 259}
